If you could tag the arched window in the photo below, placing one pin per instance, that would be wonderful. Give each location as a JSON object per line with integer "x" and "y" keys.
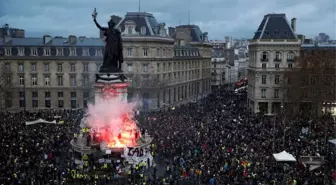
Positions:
{"x": 290, "y": 56}
{"x": 143, "y": 30}
{"x": 264, "y": 56}
{"x": 278, "y": 56}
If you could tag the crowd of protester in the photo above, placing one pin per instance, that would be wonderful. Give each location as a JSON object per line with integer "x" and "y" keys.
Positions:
{"x": 215, "y": 141}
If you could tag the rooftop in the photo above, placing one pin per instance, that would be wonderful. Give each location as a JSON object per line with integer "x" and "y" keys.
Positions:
{"x": 274, "y": 26}
{"x": 142, "y": 20}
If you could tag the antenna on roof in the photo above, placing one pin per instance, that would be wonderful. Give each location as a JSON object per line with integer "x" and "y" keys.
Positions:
{"x": 189, "y": 16}
{"x": 139, "y": 5}
{"x": 179, "y": 22}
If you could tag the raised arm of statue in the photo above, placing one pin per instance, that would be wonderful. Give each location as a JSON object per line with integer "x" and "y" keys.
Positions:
{"x": 94, "y": 15}
{"x": 98, "y": 25}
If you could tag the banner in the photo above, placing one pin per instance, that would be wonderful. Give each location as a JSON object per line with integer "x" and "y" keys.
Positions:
{"x": 41, "y": 121}
{"x": 135, "y": 155}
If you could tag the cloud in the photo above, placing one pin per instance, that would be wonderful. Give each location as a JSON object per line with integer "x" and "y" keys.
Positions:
{"x": 220, "y": 18}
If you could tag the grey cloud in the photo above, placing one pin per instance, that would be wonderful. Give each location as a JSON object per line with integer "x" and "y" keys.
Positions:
{"x": 239, "y": 18}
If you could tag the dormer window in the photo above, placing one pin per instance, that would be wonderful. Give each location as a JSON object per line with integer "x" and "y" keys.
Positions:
{"x": 34, "y": 51}
{"x": 143, "y": 30}
{"x": 46, "y": 52}
{"x": 264, "y": 56}
{"x": 85, "y": 52}
{"x": 59, "y": 52}
{"x": 72, "y": 52}
{"x": 8, "y": 51}
{"x": 99, "y": 53}
{"x": 21, "y": 51}
{"x": 129, "y": 30}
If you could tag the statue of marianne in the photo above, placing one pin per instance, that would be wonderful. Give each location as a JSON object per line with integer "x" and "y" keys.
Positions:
{"x": 113, "y": 55}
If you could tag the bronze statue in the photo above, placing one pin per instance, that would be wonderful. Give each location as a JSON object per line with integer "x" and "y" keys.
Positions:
{"x": 113, "y": 55}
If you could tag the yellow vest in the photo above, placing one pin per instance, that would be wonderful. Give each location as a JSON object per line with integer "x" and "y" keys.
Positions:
{"x": 105, "y": 165}
{"x": 73, "y": 173}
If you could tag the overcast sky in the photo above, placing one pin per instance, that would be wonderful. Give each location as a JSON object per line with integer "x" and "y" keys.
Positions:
{"x": 236, "y": 18}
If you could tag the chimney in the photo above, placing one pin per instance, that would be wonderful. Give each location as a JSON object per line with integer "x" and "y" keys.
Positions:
{"x": 46, "y": 39}
{"x": 171, "y": 31}
{"x": 72, "y": 39}
{"x": 293, "y": 24}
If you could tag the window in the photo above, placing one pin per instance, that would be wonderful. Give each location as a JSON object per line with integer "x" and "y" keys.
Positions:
{"x": 85, "y": 98}
{"x": 277, "y": 66}
{"x": 145, "y": 51}
{"x": 59, "y": 67}
{"x": 47, "y": 52}
{"x": 276, "y": 79}
{"x": 72, "y": 52}
{"x": 158, "y": 67}
{"x": 263, "y": 66}
{"x": 263, "y": 79}
{"x": 290, "y": 65}
{"x": 158, "y": 52}
{"x": 276, "y": 93}
{"x": 60, "y": 99}
{"x": 145, "y": 68}
{"x": 99, "y": 52}
{"x": 86, "y": 67}
{"x": 72, "y": 67}
{"x": 8, "y": 51}
{"x": 9, "y": 80}
{"x": 86, "y": 52}
{"x": 21, "y": 80}
{"x": 60, "y": 94}
{"x": 164, "y": 52}
{"x": 60, "y": 103}
{"x": 22, "y": 99}
{"x": 21, "y": 52}
{"x": 34, "y": 52}
{"x": 129, "y": 30}
{"x": 264, "y": 56}
{"x": 47, "y": 80}
{"x": 34, "y": 80}
{"x": 20, "y": 68}
{"x": 73, "y": 81}
{"x": 85, "y": 81}
{"x": 313, "y": 80}
{"x": 98, "y": 66}
{"x": 8, "y": 101}
{"x": 60, "y": 80}
{"x": 277, "y": 57}
{"x": 7, "y": 67}
{"x": 129, "y": 51}
{"x": 34, "y": 99}
{"x": 143, "y": 30}
{"x": 33, "y": 67}
{"x": 47, "y": 101}
{"x": 59, "y": 51}
{"x": 327, "y": 80}
{"x": 263, "y": 93}
{"x": 73, "y": 101}
{"x": 46, "y": 67}
{"x": 129, "y": 67}
{"x": 290, "y": 57}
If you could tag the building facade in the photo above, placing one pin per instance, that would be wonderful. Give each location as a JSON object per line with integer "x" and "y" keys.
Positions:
{"x": 51, "y": 73}
{"x": 271, "y": 52}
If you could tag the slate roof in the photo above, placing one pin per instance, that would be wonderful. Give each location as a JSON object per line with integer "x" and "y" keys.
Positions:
{"x": 195, "y": 32}
{"x": 58, "y": 42}
{"x": 141, "y": 19}
{"x": 274, "y": 26}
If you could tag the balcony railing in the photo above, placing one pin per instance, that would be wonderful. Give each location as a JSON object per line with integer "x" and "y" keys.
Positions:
{"x": 290, "y": 60}
{"x": 277, "y": 60}
{"x": 264, "y": 59}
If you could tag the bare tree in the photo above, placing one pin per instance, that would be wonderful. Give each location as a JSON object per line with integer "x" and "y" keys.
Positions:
{"x": 5, "y": 85}
{"x": 311, "y": 81}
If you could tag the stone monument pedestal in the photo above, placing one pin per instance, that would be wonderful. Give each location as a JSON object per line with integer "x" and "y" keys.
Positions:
{"x": 114, "y": 85}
